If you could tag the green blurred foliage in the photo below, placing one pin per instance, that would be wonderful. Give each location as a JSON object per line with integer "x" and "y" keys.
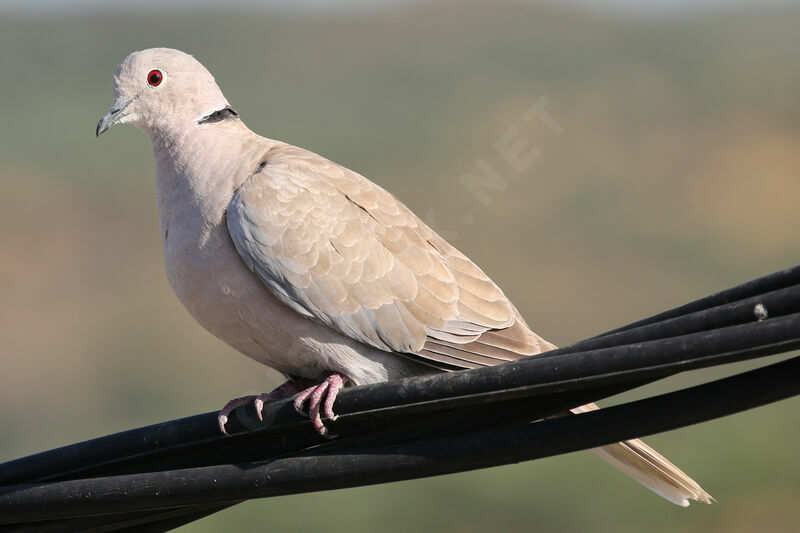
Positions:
{"x": 676, "y": 175}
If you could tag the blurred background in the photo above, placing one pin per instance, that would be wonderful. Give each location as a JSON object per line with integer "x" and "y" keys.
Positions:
{"x": 662, "y": 165}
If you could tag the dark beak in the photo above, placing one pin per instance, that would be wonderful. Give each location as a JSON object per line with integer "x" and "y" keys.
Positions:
{"x": 113, "y": 116}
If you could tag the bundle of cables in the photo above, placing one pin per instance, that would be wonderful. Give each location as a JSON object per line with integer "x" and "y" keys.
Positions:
{"x": 159, "y": 477}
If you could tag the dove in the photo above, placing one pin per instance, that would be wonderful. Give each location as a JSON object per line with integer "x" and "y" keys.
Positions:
{"x": 312, "y": 269}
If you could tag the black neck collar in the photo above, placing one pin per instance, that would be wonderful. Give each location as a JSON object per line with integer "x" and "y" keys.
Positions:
{"x": 226, "y": 113}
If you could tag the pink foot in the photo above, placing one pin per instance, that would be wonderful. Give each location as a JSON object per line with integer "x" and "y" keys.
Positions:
{"x": 314, "y": 395}
{"x": 289, "y": 388}
{"x": 222, "y": 417}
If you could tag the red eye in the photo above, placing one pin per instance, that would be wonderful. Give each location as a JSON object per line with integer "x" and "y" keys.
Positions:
{"x": 155, "y": 77}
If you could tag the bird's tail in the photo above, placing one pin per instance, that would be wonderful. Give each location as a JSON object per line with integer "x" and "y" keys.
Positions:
{"x": 650, "y": 468}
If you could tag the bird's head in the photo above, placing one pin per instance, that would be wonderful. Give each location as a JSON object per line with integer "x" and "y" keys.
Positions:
{"x": 159, "y": 88}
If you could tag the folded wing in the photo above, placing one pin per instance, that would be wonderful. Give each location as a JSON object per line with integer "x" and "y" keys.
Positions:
{"x": 336, "y": 247}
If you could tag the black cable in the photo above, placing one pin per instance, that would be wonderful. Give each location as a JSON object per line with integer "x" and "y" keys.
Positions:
{"x": 419, "y": 458}
{"x": 415, "y": 413}
{"x": 776, "y": 303}
{"x": 384, "y": 404}
{"x": 140, "y": 521}
{"x": 772, "y": 282}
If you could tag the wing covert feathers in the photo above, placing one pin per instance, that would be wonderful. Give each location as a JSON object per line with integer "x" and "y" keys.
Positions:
{"x": 334, "y": 246}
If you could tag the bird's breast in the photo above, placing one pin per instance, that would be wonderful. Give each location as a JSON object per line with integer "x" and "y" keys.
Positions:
{"x": 205, "y": 270}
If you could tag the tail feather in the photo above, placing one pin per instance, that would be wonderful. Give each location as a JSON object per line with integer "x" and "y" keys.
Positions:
{"x": 642, "y": 463}
{"x": 632, "y": 457}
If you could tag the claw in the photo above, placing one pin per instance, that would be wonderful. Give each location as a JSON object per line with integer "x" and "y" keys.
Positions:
{"x": 333, "y": 391}
{"x": 222, "y": 417}
{"x": 284, "y": 391}
{"x": 327, "y": 389}
{"x": 314, "y": 404}
{"x": 315, "y": 394}
{"x": 258, "y": 403}
{"x": 222, "y": 420}
{"x": 301, "y": 398}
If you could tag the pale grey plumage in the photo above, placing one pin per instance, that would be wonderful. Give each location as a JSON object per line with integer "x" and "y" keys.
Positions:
{"x": 309, "y": 267}
{"x": 336, "y": 247}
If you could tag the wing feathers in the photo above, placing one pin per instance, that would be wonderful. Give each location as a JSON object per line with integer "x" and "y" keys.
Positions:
{"x": 337, "y": 247}
{"x": 456, "y": 363}
{"x": 486, "y": 358}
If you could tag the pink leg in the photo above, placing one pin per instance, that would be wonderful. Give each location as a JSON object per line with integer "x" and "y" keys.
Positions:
{"x": 314, "y": 395}
{"x": 292, "y": 386}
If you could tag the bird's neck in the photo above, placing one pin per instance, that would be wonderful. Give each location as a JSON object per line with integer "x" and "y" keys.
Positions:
{"x": 198, "y": 167}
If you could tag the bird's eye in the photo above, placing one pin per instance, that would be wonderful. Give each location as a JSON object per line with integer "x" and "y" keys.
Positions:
{"x": 154, "y": 78}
